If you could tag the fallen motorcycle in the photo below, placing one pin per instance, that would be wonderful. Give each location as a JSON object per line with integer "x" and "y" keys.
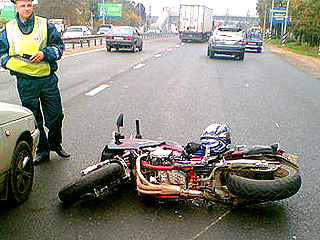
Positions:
{"x": 211, "y": 170}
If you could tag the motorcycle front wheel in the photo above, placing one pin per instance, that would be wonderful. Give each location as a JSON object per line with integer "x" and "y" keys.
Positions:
{"x": 87, "y": 183}
{"x": 285, "y": 182}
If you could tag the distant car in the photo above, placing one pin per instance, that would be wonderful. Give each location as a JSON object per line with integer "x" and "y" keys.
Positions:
{"x": 124, "y": 37}
{"x": 228, "y": 41}
{"x": 254, "y": 41}
{"x": 76, "y": 31}
{"x": 103, "y": 29}
{"x": 19, "y": 138}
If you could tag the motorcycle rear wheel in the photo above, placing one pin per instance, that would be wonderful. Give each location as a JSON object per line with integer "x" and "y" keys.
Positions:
{"x": 285, "y": 183}
{"x": 86, "y": 184}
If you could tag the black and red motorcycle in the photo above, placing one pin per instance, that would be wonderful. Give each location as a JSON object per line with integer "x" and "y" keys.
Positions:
{"x": 166, "y": 170}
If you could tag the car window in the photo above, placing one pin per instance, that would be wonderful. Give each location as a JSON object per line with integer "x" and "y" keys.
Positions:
{"x": 121, "y": 31}
{"x": 104, "y": 29}
{"x": 74, "y": 29}
{"x": 229, "y": 33}
{"x": 253, "y": 35}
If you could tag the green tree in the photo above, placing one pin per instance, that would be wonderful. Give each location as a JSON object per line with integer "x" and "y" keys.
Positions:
{"x": 305, "y": 18}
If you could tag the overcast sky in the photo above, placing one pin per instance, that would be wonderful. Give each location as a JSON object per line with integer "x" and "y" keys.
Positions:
{"x": 220, "y": 7}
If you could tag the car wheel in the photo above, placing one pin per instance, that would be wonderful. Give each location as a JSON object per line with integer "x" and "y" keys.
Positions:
{"x": 241, "y": 56}
{"x": 21, "y": 173}
{"x": 211, "y": 54}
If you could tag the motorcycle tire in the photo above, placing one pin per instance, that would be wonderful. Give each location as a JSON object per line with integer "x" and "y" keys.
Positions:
{"x": 286, "y": 183}
{"x": 87, "y": 183}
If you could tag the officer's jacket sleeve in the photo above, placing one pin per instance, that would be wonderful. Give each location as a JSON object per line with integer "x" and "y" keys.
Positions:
{"x": 55, "y": 46}
{"x": 4, "y": 48}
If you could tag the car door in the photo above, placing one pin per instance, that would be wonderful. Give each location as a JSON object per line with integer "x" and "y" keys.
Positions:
{"x": 3, "y": 157}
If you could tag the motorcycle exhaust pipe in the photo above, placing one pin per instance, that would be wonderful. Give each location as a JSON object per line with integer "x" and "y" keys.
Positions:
{"x": 146, "y": 187}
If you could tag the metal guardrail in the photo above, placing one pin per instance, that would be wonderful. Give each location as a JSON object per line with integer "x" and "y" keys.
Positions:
{"x": 87, "y": 41}
{"x": 95, "y": 40}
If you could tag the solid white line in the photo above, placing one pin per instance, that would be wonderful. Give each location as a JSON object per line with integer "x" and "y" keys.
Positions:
{"x": 212, "y": 224}
{"x": 140, "y": 65}
{"x": 97, "y": 90}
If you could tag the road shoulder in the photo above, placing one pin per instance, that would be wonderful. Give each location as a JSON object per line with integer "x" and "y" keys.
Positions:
{"x": 310, "y": 65}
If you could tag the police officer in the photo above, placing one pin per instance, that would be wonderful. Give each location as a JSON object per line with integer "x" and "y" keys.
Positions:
{"x": 29, "y": 48}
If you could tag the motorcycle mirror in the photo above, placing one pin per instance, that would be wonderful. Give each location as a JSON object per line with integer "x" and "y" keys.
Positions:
{"x": 275, "y": 148}
{"x": 120, "y": 121}
{"x": 138, "y": 133}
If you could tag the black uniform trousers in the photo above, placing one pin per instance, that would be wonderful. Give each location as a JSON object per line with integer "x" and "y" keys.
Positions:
{"x": 41, "y": 95}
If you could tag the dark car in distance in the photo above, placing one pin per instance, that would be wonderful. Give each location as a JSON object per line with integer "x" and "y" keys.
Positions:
{"x": 124, "y": 37}
{"x": 254, "y": 41}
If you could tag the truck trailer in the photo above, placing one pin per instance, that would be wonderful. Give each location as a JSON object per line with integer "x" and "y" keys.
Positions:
{"x": 195, "y": 23}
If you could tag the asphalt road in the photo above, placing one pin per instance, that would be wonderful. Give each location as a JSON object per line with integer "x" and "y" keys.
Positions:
{"x": 176, "y": 91}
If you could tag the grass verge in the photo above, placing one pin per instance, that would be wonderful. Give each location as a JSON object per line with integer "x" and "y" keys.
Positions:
{"x": 296, "y": 47}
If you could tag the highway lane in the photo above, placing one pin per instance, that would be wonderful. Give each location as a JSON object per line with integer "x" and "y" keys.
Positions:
{"x": 77, "y": 74}
{"x": 176, "y": 95}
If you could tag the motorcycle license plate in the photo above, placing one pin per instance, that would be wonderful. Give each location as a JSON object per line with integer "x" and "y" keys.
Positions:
{"x": 292, "y": 158}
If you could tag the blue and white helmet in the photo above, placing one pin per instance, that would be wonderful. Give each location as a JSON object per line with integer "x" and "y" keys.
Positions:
{"x": 216, "y": 137}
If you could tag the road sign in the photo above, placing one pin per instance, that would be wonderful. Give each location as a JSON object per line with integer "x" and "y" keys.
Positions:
{"x": 7, "y": 13}
{"x": 110, "y": 10}
{"x": 9, "y": 3}
{"x": 278, "y": 15}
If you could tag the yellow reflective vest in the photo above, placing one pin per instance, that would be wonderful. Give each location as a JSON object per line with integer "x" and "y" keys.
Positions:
{"x": 21, "y": 45}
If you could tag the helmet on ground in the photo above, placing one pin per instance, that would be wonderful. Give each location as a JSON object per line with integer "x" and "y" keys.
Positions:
{"x": 216, "y": 137}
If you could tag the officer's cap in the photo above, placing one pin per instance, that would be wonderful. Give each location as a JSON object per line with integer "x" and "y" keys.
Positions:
{"x": 14, "y": 1}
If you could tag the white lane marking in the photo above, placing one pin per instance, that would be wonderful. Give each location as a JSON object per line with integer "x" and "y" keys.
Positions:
{"x": 277, "y": 125}
{"x": 81, "y": 53}
{"x": 169, "y": 49}
{"x": 177, "y": 46}
{"x": 140, "y": 65}
{"x": 158, "y": 55}
{"x": 97, "y": 90}
{"x": 212, "y": 224}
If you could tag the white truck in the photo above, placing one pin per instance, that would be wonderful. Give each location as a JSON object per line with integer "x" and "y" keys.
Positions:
{"x": 59, "y": 24}
{"x": 195, "y": 23}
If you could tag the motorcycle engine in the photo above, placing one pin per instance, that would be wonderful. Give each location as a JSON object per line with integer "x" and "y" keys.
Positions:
{"x": 162, "y": 157}
{"x": 166, "y": 157}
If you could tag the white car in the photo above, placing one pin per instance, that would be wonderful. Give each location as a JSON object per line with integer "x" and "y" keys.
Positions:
{"x": 76, "y": 31}
{"x": 19, "y": 137}
{"x": 227, "y": 40}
